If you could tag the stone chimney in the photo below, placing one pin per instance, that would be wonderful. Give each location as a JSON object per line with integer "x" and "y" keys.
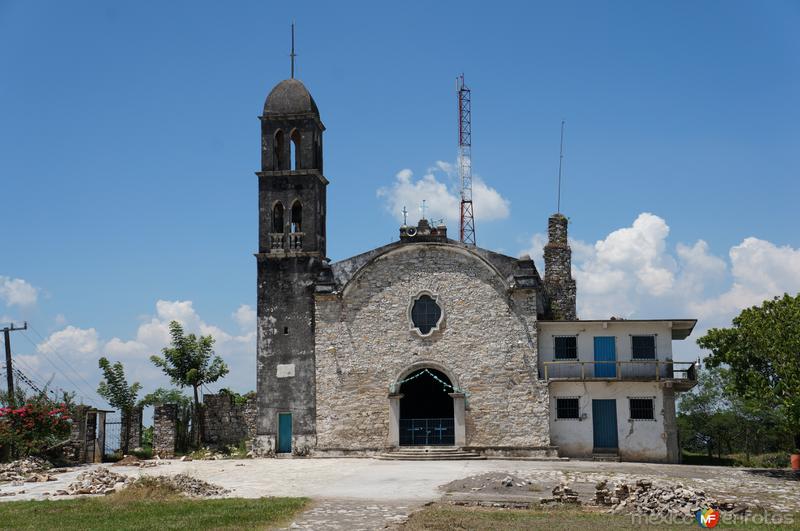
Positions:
{"x": 558, "y": 280}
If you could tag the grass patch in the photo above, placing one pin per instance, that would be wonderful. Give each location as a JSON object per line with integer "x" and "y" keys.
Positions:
{"x": 149, "y": 507}
{"x": 555, "y": 518}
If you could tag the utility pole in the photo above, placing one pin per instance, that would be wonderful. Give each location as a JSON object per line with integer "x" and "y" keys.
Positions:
{"x": 9, "y": 370}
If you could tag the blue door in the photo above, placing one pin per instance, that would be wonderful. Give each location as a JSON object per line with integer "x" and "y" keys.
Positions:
{"x": 604, "y": 422}
{"x": 284, "y": 433}
{"x": 605, "y": 350}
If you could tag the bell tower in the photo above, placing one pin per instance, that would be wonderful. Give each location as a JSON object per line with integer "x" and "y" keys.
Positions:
{"x": 291, "y": 252}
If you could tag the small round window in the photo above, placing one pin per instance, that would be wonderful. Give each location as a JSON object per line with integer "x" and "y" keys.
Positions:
{"x": 426, "y": 314}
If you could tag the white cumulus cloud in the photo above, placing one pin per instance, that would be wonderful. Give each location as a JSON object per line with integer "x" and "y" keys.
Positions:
{"x": 17, "y": 292}
{"x": 80, "y": 348}
{"x": 440, "y": 188}
{"x": 634, "y": 272}
{"x": 71, "y": 340}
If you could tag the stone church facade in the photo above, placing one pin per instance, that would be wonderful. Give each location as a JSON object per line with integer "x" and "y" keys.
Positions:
{"x": 422, "y": 342}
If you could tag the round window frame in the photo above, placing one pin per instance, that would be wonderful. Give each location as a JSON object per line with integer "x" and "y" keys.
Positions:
{"x": 438, "y": 326}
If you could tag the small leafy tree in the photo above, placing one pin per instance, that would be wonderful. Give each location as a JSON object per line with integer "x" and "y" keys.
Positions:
{"x": 190, "y": 362}
{"x": 762, "y": 349}
{"x": 114, "y": 388}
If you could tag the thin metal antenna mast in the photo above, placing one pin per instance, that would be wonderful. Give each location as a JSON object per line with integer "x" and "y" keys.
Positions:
{"x": 292, "y": 55}
{"x": 560, "y": 165}
{"x": 467, "y": 229}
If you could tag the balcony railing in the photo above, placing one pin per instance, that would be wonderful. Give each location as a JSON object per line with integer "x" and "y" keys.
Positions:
{"x": 634, "y": 370}
{"x": 296, "y": 241}
{"x": 276, "y": 240}
{"x": 279, "y": 240}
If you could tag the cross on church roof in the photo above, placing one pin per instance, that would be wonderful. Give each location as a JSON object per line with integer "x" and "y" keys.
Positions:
{"x": 422, "y": 209}
{"x": 405, "y": 215}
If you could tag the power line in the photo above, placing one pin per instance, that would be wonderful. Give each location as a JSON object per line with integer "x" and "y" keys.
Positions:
{"x": 81, "y": 392}
{"x": 19, "y": 360}
{"x": 62, "y": 359}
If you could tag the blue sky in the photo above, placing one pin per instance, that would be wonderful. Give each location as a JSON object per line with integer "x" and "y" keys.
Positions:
{"x": 129, "y": 141}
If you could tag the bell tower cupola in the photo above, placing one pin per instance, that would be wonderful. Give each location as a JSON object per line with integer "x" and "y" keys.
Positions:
{"x": 291, "y": 183}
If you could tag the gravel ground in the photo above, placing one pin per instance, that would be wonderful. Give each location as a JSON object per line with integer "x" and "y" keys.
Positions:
{"x": 355, "y": 486}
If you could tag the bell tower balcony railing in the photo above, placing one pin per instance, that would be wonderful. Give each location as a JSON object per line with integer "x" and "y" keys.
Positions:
{"x": 296, "y": 241}
{"x": 276, "y": 240}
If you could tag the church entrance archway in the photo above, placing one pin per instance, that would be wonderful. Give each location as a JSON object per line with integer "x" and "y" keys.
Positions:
{"x": 426, "y": 409}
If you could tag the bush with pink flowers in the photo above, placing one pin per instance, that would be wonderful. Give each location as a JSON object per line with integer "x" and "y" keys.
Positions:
{"x": 33, "y": 427}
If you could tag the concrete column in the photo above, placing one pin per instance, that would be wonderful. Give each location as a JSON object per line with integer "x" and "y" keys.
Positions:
{"x": 394, "y": 419}
{"x": 459, "y": 408}
{"x": 671, "y": 425}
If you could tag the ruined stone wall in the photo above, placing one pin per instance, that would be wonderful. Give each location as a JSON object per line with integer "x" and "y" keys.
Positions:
{"x": 165, "y": 420}
{"x": 486, "y": 345}
{"x": 225, "y": 422}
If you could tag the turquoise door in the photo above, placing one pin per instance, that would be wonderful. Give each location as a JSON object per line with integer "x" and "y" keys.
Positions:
{"x": 604, "y": 422}
{"x": 284, "y": 433}
{"x": 605, "y": 350}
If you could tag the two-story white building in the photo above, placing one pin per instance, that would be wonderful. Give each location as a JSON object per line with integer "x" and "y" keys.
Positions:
{"x": 612, "y": 386}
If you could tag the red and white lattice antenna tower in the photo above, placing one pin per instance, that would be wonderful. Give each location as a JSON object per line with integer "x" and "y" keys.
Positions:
{"x": 467, "y": 232}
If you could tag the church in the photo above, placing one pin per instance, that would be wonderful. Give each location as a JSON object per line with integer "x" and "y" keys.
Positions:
{"x": 428, "y": 344}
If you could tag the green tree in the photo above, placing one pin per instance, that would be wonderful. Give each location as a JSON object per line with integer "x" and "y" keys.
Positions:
{"x": 762, "y": 349}
{"x": 701, "y": 418}
{"x": 190, "y": 362}
{"x": 115, "y": 389}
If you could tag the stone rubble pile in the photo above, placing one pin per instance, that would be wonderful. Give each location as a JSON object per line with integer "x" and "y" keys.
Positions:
{"x": 511, "y": 481}
{"x": 194, "y": 487}
{"x": 132, "y": 460}
{"x": 99, "y": 480}
{"x": 562, "y": 493}
{"x": 30, "y": 469}
{"x": 645, "y": 498}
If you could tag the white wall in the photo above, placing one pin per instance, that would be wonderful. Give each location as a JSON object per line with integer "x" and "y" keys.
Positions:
{"x": 621, "y": 330}
{"x": 639, "y": 440}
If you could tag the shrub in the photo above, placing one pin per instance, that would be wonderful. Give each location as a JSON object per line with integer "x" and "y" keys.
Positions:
{"x": 34, "y": 427}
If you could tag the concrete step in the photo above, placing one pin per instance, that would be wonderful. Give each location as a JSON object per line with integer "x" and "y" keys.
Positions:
{"x": 428, "y": 453}
{"x": 603, "y": 456}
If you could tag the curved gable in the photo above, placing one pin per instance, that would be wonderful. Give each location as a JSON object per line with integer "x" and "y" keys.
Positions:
{"x": 349, "y": 272}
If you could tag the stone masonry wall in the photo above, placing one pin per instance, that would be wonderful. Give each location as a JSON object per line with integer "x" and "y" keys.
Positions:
{"x": 135, "y": 435}
{"x": 226, "y": 422}
{"x": 165, "y": 419}
{"x": 558, "y": 279}
{"x": 486, "y": 345}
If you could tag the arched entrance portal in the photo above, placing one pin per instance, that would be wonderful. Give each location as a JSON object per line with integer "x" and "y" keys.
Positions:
{"x": 426, "y": 409}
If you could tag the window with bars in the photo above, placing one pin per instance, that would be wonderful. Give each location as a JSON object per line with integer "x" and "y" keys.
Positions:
{"x": 643, "y": 347}
{"x": 642, "y": 409}
{"x": 568, "y": 408}
{"x": 566, "y": 347}
{"x": 425, "y": 314}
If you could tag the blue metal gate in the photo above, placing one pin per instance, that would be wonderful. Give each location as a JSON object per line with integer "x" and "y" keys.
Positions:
{"x": 284, "y": 433}
{"x": 604, "y": 422}
{"x": 605, "y": 351}
{"x": 424, "y": 432}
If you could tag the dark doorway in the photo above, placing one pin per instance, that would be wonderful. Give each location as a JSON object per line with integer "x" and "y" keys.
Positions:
{"x": 426, "y": 409}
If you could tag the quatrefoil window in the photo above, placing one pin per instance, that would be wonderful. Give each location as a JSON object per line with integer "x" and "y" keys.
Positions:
{"x": 426, "y": 314}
